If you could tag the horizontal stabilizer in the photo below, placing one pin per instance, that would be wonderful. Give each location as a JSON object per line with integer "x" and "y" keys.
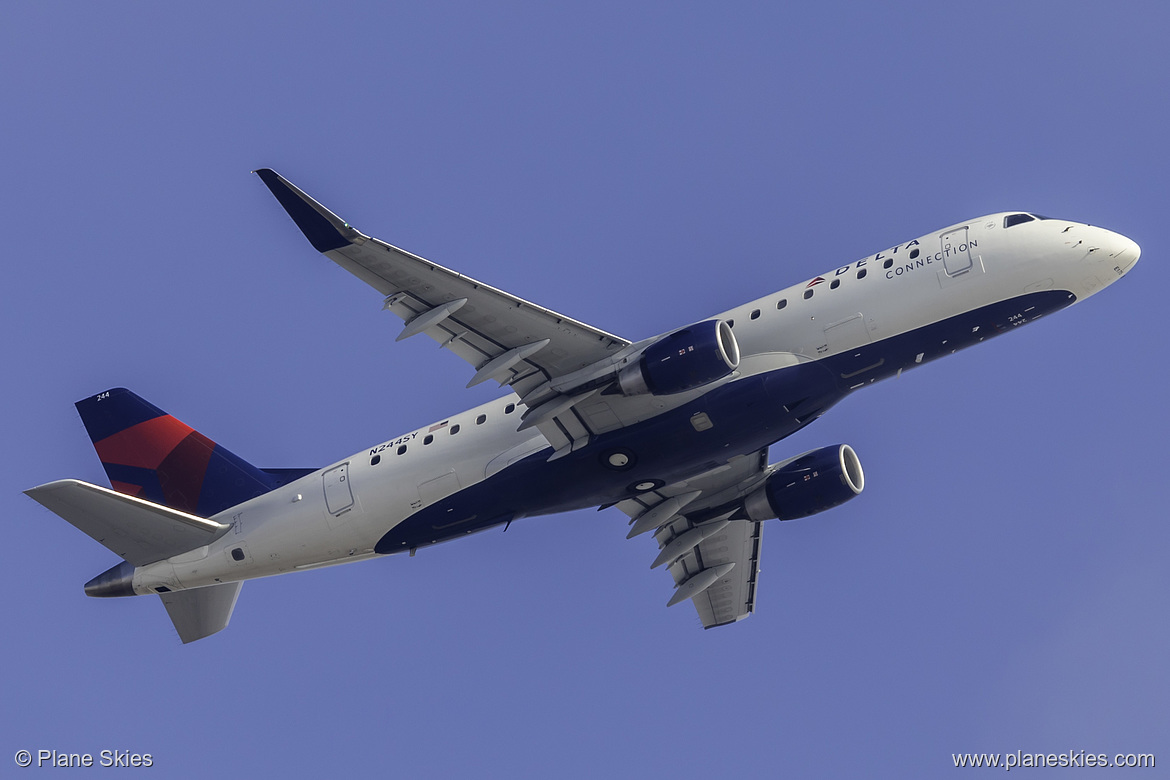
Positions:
{"x": 201, "y": 612}
{"x": 139, "y": 531}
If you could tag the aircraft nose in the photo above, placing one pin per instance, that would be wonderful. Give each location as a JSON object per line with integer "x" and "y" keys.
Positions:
{"x": 1125, "y": 252}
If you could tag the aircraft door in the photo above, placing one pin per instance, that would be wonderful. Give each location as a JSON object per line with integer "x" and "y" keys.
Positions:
{"x": 956, "y": 251}
{"x": 338, "y": 496}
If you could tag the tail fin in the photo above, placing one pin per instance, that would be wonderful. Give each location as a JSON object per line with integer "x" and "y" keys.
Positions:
{"x": 149, "y": 454}
{"x": 202, "y": 611}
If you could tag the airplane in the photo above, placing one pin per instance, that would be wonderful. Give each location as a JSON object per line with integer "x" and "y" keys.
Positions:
{"x": 672, "y": 430}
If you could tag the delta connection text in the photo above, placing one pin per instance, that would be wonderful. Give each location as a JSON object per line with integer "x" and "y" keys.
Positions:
{"x": 908, "y": 257}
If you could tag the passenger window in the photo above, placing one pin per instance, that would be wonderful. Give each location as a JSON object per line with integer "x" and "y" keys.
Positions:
{"x": 454, "y": 429}
{"x": 836, "y": 283}
{"x": 428, "y": 439}
{"x": 402, "y": 450}
{"x": 509, "y": 408}
{"x": 481, "y": 419}
{"x": 890, "y": 260}
{"x": 913, "y": 255}
{"x": 756, "y": 314}
{"x": 861, "y": 274}
{"x": 780, "y": 304}
{"x": 1016, "y": 219}
{"x": 807, "y": 294}
{"x": 374, "y": 461}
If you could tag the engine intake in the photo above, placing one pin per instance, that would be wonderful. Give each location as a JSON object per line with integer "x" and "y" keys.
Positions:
{"x": 686, "y": 359}
{"x": 810, "y": 483}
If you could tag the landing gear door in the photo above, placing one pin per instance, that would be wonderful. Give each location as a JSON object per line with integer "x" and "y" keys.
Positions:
{"x": 956, "y": 252}
{"x": 338, "y": 496}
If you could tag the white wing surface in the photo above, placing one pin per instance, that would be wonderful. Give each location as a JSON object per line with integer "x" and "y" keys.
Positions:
{"x": 712, "y": 553}
{"x": 503, "y": 337}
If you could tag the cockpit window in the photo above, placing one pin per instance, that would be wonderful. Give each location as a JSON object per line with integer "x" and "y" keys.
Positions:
{"x": 1016, "y": 219}
{"x": 1041, "y": 216}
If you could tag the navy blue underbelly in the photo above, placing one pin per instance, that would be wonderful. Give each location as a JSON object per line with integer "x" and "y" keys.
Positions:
{"x": 746, "y": 415}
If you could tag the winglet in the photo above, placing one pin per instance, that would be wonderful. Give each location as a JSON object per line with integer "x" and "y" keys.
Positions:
{"x": 324, "y": 229}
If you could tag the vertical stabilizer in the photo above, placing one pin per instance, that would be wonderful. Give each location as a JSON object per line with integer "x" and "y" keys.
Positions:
{"x": 149, "y": 454}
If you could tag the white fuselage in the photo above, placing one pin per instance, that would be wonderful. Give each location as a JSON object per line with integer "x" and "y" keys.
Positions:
{"x": 340, "y": 513}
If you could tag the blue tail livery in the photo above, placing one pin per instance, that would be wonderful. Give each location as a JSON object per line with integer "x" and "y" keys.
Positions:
{"x": 149, "y": 454}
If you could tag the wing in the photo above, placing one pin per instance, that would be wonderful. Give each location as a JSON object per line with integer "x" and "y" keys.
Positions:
{"x": 503, "y": 337}
{"x": 712, "y": 551}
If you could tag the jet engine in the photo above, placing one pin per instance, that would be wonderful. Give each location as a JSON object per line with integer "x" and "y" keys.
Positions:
{"x": 807, "y": 484}
{"x": 683, "y": 360}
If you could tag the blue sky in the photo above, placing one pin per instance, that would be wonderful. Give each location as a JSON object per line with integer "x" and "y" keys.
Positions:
{"x": 1002, "y": 583}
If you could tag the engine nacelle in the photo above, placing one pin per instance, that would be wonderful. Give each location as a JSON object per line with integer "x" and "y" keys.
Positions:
{"x": 811, "y": 483}
{"x": 683, "y": 360}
